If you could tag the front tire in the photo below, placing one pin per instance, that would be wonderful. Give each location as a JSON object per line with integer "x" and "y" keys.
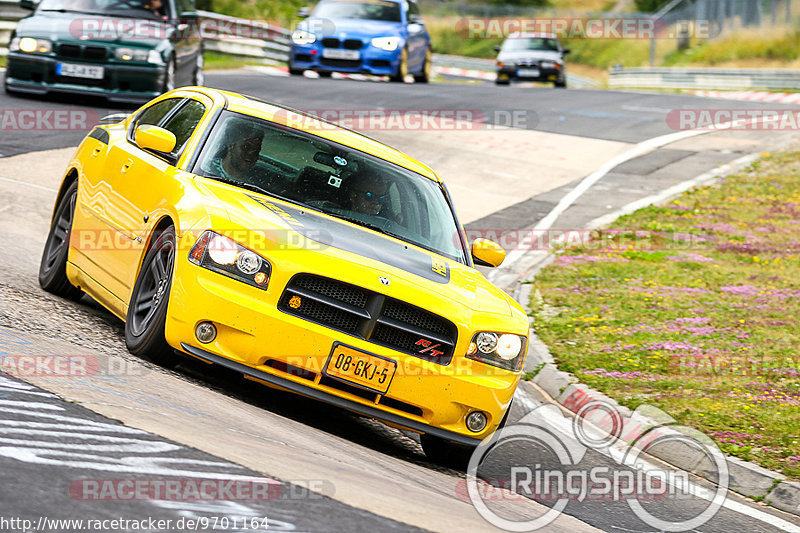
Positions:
{"x": 425, "y": 75}
{"x": 402, "y": 68}
{"x": 53, "y": 267}
{"x": 169, "y": 75}
{"x": 147, "y": 310}
{"x": 198, "y": 77}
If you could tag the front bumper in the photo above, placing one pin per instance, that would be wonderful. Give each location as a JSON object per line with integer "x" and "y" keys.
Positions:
{"x": 36, "y": 74}
{"x": 286, "y": 351}
{"x": 371, "y": 60}
{"x": 522, "y": 73}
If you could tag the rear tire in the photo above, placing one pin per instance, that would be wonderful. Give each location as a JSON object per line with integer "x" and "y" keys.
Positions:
{"x": 147, "y": 310}
{"x": 53, "y": 267}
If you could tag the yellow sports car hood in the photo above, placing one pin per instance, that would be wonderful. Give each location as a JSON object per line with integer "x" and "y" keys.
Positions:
{"x": 411, "y": 264}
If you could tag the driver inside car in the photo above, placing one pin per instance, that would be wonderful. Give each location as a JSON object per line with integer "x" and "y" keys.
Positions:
{"x": 368, "y": 195}
{"x": 239, "y": 152}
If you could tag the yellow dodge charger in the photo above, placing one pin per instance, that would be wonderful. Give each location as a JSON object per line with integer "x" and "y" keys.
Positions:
{"x": 303, "y": 255}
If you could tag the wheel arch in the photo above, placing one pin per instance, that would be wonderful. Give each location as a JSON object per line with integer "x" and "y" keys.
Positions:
{"x": 70, "y": 177}
{"x": 164, "y": 222}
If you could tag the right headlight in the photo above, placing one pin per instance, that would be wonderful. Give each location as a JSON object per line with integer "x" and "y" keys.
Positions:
{"x": 504, "y": 350}
{"x": 30, "y": 45}
{"x": 303, "y": 37}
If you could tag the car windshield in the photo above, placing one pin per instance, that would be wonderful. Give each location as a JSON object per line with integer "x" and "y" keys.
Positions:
{"x": 513, "y": 44}
{"x": 340, "y": 181}
{"x": 369, "y": 10}
{"x": 124, "y": 8}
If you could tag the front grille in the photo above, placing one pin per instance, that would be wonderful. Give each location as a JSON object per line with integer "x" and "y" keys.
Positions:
{"x": 528, "y": 63}
{"x": 69, "y": 50}
{"x": 371, "y": 316}
{"x": 330, "y": 42}
{"x": 94, "y": 52}
{"x": 316, "y": 311}
{"x": 76, "y": 51}
{"x": 337, "y": 290}
{"x": 353, "y": 44}
{"x": 341, "y": 63}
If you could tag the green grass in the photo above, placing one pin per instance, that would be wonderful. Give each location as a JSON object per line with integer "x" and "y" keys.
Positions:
{"x": 781, "y": 46}
{"x": 215, "y": 61}
{"x": 2, "y": 61}
{"x": 696, "y": 314}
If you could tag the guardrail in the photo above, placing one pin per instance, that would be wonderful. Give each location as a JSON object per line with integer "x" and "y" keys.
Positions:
{"x": 705, "y": 78}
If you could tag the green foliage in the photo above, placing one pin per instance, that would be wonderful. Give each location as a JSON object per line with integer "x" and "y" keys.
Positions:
{"x": 649, "y": 6}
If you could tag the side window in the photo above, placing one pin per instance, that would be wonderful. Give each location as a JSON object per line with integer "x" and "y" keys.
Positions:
{"x": 413, "y": 9}
{"x": 184, "y": 122}
{"x": 153, "y": 115}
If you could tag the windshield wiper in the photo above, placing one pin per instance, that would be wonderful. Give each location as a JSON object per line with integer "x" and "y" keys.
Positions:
{"x": 366, "y": 225}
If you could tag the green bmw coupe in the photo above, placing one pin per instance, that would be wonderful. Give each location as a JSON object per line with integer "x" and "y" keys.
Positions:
{"x": 125, "y": 50}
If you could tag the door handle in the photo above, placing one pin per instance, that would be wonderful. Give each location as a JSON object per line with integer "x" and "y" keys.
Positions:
{"x": 126, "y": 165}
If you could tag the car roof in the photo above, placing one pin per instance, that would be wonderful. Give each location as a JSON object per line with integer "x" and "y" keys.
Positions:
{"x": 333, "y": 132}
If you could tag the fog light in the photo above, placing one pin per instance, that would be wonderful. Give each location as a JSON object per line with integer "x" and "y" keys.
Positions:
{"x": 476, "y": 421}
{"x": 205, "y": 332}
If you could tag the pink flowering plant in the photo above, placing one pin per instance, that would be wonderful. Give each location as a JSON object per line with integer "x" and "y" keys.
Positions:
{"x": 697, "y": 311}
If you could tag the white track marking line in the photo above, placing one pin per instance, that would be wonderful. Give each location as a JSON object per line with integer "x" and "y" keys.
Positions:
{"x": 17, "y": 182}
{"x": 572, "y": 196}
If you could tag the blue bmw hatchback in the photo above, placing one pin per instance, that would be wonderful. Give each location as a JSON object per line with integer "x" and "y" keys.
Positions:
{"x": 379, "y": 37}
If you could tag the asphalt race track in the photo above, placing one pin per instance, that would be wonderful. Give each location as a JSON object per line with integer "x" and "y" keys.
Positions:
{"x": 322, "y": 469}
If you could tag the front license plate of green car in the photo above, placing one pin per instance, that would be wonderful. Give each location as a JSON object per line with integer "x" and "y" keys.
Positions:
{"x": 79, "y": 71}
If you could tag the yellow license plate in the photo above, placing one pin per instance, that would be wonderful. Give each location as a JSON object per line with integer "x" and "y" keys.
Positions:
{"x": 361, "y": 368}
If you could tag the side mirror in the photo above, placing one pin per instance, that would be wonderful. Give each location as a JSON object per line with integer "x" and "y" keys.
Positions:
{"x": 150, "y": 137}
{"x": 27, "y": 4}
{"x": 487, "y": 253}
{"x": 497, "y": 47}
{"x": 304, "y": 12}
{"x": 565, "y": 51}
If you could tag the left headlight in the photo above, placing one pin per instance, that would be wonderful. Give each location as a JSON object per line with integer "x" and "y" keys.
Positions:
{"x": 389, "y": 44}
{"x": 504, "y": 350}
{"x": 220, "y": 254}
{"x": 30, "y": 45}
{"x": 303, "y": 37}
